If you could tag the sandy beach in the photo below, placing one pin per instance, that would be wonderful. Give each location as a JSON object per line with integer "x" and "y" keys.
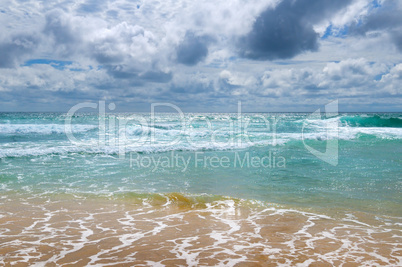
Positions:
{"x": 174, "y": 230}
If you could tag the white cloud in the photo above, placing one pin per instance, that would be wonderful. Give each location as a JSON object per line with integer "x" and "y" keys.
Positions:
{"x": 128, "y": 51}
{"x": 392, "y": 81}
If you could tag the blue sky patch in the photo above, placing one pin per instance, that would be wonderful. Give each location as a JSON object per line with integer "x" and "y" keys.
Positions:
{"x": 57, "y": 64}
{"x": 330, "y": 31}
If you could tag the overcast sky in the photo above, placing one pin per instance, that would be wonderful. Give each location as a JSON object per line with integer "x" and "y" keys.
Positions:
{"x": 289, "y": 55}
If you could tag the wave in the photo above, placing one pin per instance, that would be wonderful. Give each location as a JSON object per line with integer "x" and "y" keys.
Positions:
{"x": 169, "y": 135}
{"x": 44, "y": 129}
{"x": 371, "y": 121}
{"x": 91, "y": 147}
{"x": 163, "y": 144}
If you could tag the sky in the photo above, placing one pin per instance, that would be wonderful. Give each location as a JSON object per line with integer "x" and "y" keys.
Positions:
{"x": 203, "y": 56}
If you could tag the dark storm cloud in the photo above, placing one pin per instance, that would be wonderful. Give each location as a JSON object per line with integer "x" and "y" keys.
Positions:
{"x": 122, "y": 72}
{"x": 397, "y": 38}
{"x": 191, "y": 89}
{"x": 105, "y": 58}
{"x": 386, "y": 18}
{"x": 157, "y": 76}
{"x": 192, "y": 49}
{"x": 65, "y": 36}
{"x": 13, "y": 51}
{"x": 287, "y": 30}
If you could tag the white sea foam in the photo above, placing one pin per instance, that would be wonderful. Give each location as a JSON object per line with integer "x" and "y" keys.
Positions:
{"x": 167, "y": 135}
{"x": 44, "y": 129}
{"x": 231, "y": 244}
{"x": 163, "y": 144}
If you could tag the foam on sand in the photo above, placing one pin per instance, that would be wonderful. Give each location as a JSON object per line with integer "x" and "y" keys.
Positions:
{"x": 147, "y": 231}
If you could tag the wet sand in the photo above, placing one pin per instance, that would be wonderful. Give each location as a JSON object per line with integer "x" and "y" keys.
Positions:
{"x": 66, "y": 231}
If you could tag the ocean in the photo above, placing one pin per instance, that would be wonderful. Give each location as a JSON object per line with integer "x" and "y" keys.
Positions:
{"x": 197, "y": 189}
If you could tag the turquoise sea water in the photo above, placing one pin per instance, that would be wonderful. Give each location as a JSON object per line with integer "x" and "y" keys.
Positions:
{"x": 255, "y": 156}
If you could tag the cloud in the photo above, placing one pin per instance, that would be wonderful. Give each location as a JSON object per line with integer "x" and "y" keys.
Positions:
{"x": 397, "y": 39}
{"x": 156, "y": 76}
{"x": 206, "y": 54}
{"x": 236, "y": 83}
{"x": 192, "y": 49}
{"x": 351, "y": 74}
{"x": 350, "y": 80}
{"x": 66, "y": 35}
{"x": 287, "y": 82}
{"x": 126, "y": 51}
{"x": 383, "y": 20}
{"x": 16, "y": 48}
{"x": 123, "y": 43}
{"x": 391, "y": 82}
{"x": 287, "y": 30}
{"x": 91, "y": 6}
